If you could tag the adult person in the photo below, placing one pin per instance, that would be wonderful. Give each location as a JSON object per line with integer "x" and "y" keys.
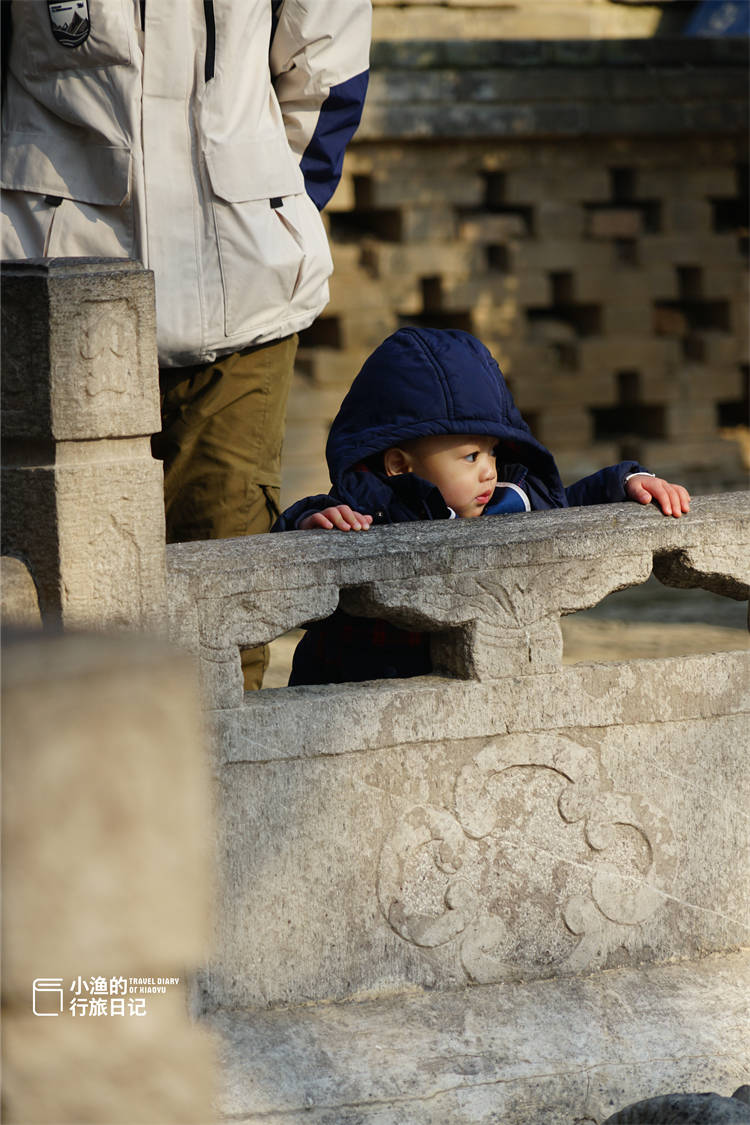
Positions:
{"x": 201, "y": 137}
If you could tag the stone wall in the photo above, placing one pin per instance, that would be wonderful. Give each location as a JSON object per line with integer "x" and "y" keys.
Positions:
{"x": 511, "y": 818}
{"x": 527, "y": 19}
{"x": 580, "y": 206}
{"x": 506, "y": 822}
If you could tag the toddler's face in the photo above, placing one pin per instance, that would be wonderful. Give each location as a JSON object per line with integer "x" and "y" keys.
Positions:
{"x": 461, "y": 466}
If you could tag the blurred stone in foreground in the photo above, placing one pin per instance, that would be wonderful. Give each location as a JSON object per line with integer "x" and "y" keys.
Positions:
{"x": 106, "y": 882}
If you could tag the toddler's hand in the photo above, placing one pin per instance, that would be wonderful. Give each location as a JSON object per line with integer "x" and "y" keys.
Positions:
{"x": 673, "y": 499}
{"x": 341, "y": 516}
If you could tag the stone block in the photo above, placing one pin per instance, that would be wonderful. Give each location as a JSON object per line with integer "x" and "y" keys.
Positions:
{"x": 615, "y": 222}
{"x": 687, "y": 214}
{"x": 98, "y": 564}
{"x": 706, "y": 384}
{"x": 399, "y": 263}
{"x": 366, "y": 328}
{"x": 633, "y": 318}
{"x": 492, "y": 228}
{"x": 618, "y": 288}
{"x": 556, "y": 1051}
{"x": 563, "y": 254}
{"x": 686, "y": 420}
{"x": 689, "y": 248}
{"x": 661, "y": 279}
{"x": 324, "y": 367}
{"x": 572, "y": 426}
{"x": 534, "y": 186}
{"x": 705, "y": 180}
{"x": 78, "y": 349}
{"x": 623, "y": 351}
{"x": 555, "y": 219}
{"x": 19, "y": 605}
{"x": 408, "y": 185}
{"x": 530, "y": 361}
{"x": 552, "y": 330}
{"x": 720, "y": 348}
{"x": 669, "y": 321}
{"x": 725, "y": 283}
{"x": 420, "y": 224}
{"x": 563, "y": 19}
{"x": 82, "y": 495}
{"x": 343, "y": 198}
{"x": 711, "y": 461}
{"x": 354, "y": 290}
{"x": 106, "y": 867}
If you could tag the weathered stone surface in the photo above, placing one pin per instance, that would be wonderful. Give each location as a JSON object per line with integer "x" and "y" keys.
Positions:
{"x": 492, "y": 591}
{"x": 20, "y": 603}
{"x": 79, "y": 360}
{"x": 563, "y": 89}
{"x": 450, "y": 857}
{"x": 90, "y": 521}
{"x": 517, "y": 819}
{"x": 106, "y": 866}
{"x": 82, "y": 495}
{"x": 595, "y": 26}
{"x": 552, "y": 1051}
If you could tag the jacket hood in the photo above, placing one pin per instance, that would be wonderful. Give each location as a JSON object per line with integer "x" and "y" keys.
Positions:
{"x": 423, "y": 381}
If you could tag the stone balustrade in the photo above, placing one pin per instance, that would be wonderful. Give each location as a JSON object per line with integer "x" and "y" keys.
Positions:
{"x": 505, "y": 818}
{"x": 573, "y": 838}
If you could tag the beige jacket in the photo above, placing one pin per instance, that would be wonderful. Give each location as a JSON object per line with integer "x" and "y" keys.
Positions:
{"x": 183, "y": 144}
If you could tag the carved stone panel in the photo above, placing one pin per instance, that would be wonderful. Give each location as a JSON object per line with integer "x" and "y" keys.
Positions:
{"x": 79, "y": 342}
{"x": 539, "y": 864}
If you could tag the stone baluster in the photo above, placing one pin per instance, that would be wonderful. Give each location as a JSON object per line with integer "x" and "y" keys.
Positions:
{"x": 82, "y": 495}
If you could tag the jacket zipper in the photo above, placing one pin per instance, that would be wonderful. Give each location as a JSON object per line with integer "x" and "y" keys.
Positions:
{"x": 208, "y": 13}
{"x": 210, "y": 61}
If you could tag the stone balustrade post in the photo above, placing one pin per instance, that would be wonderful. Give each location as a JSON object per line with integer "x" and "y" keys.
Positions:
{"x": 82, "y": 495}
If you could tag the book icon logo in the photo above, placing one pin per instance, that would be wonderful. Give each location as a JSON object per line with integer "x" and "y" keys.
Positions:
{"x": 47, "y": 996}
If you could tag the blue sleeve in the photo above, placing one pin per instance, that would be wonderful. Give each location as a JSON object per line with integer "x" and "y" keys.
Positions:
{"x": 339, "y": 117}
{"x": 288, "y": 519}
{"x": 607, "y": 486}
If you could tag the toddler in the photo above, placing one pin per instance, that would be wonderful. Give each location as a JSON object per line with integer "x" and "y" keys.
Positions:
{"x": 429, "y": 430}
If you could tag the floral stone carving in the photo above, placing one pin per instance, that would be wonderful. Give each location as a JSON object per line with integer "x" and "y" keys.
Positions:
{"x": 539, "y": 867}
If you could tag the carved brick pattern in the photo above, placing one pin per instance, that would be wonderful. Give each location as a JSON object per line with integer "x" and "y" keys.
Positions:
{"x": 573, "y": 261}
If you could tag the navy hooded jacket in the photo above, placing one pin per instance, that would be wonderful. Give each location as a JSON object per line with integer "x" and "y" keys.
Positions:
{"x": 423, "y": 381}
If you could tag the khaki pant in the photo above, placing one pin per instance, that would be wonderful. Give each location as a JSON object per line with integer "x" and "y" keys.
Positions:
{"x": 221, "y": 438}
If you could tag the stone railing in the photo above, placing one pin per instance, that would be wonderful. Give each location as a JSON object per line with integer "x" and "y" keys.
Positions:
{"x": 508, "y": 817}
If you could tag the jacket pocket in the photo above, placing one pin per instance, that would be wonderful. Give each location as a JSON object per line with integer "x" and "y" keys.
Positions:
{"x": 261, "y": 252}
{"x": 108, "y": 41}
{"x": 70, "y": 199}
{"x": 51, "y": 165}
